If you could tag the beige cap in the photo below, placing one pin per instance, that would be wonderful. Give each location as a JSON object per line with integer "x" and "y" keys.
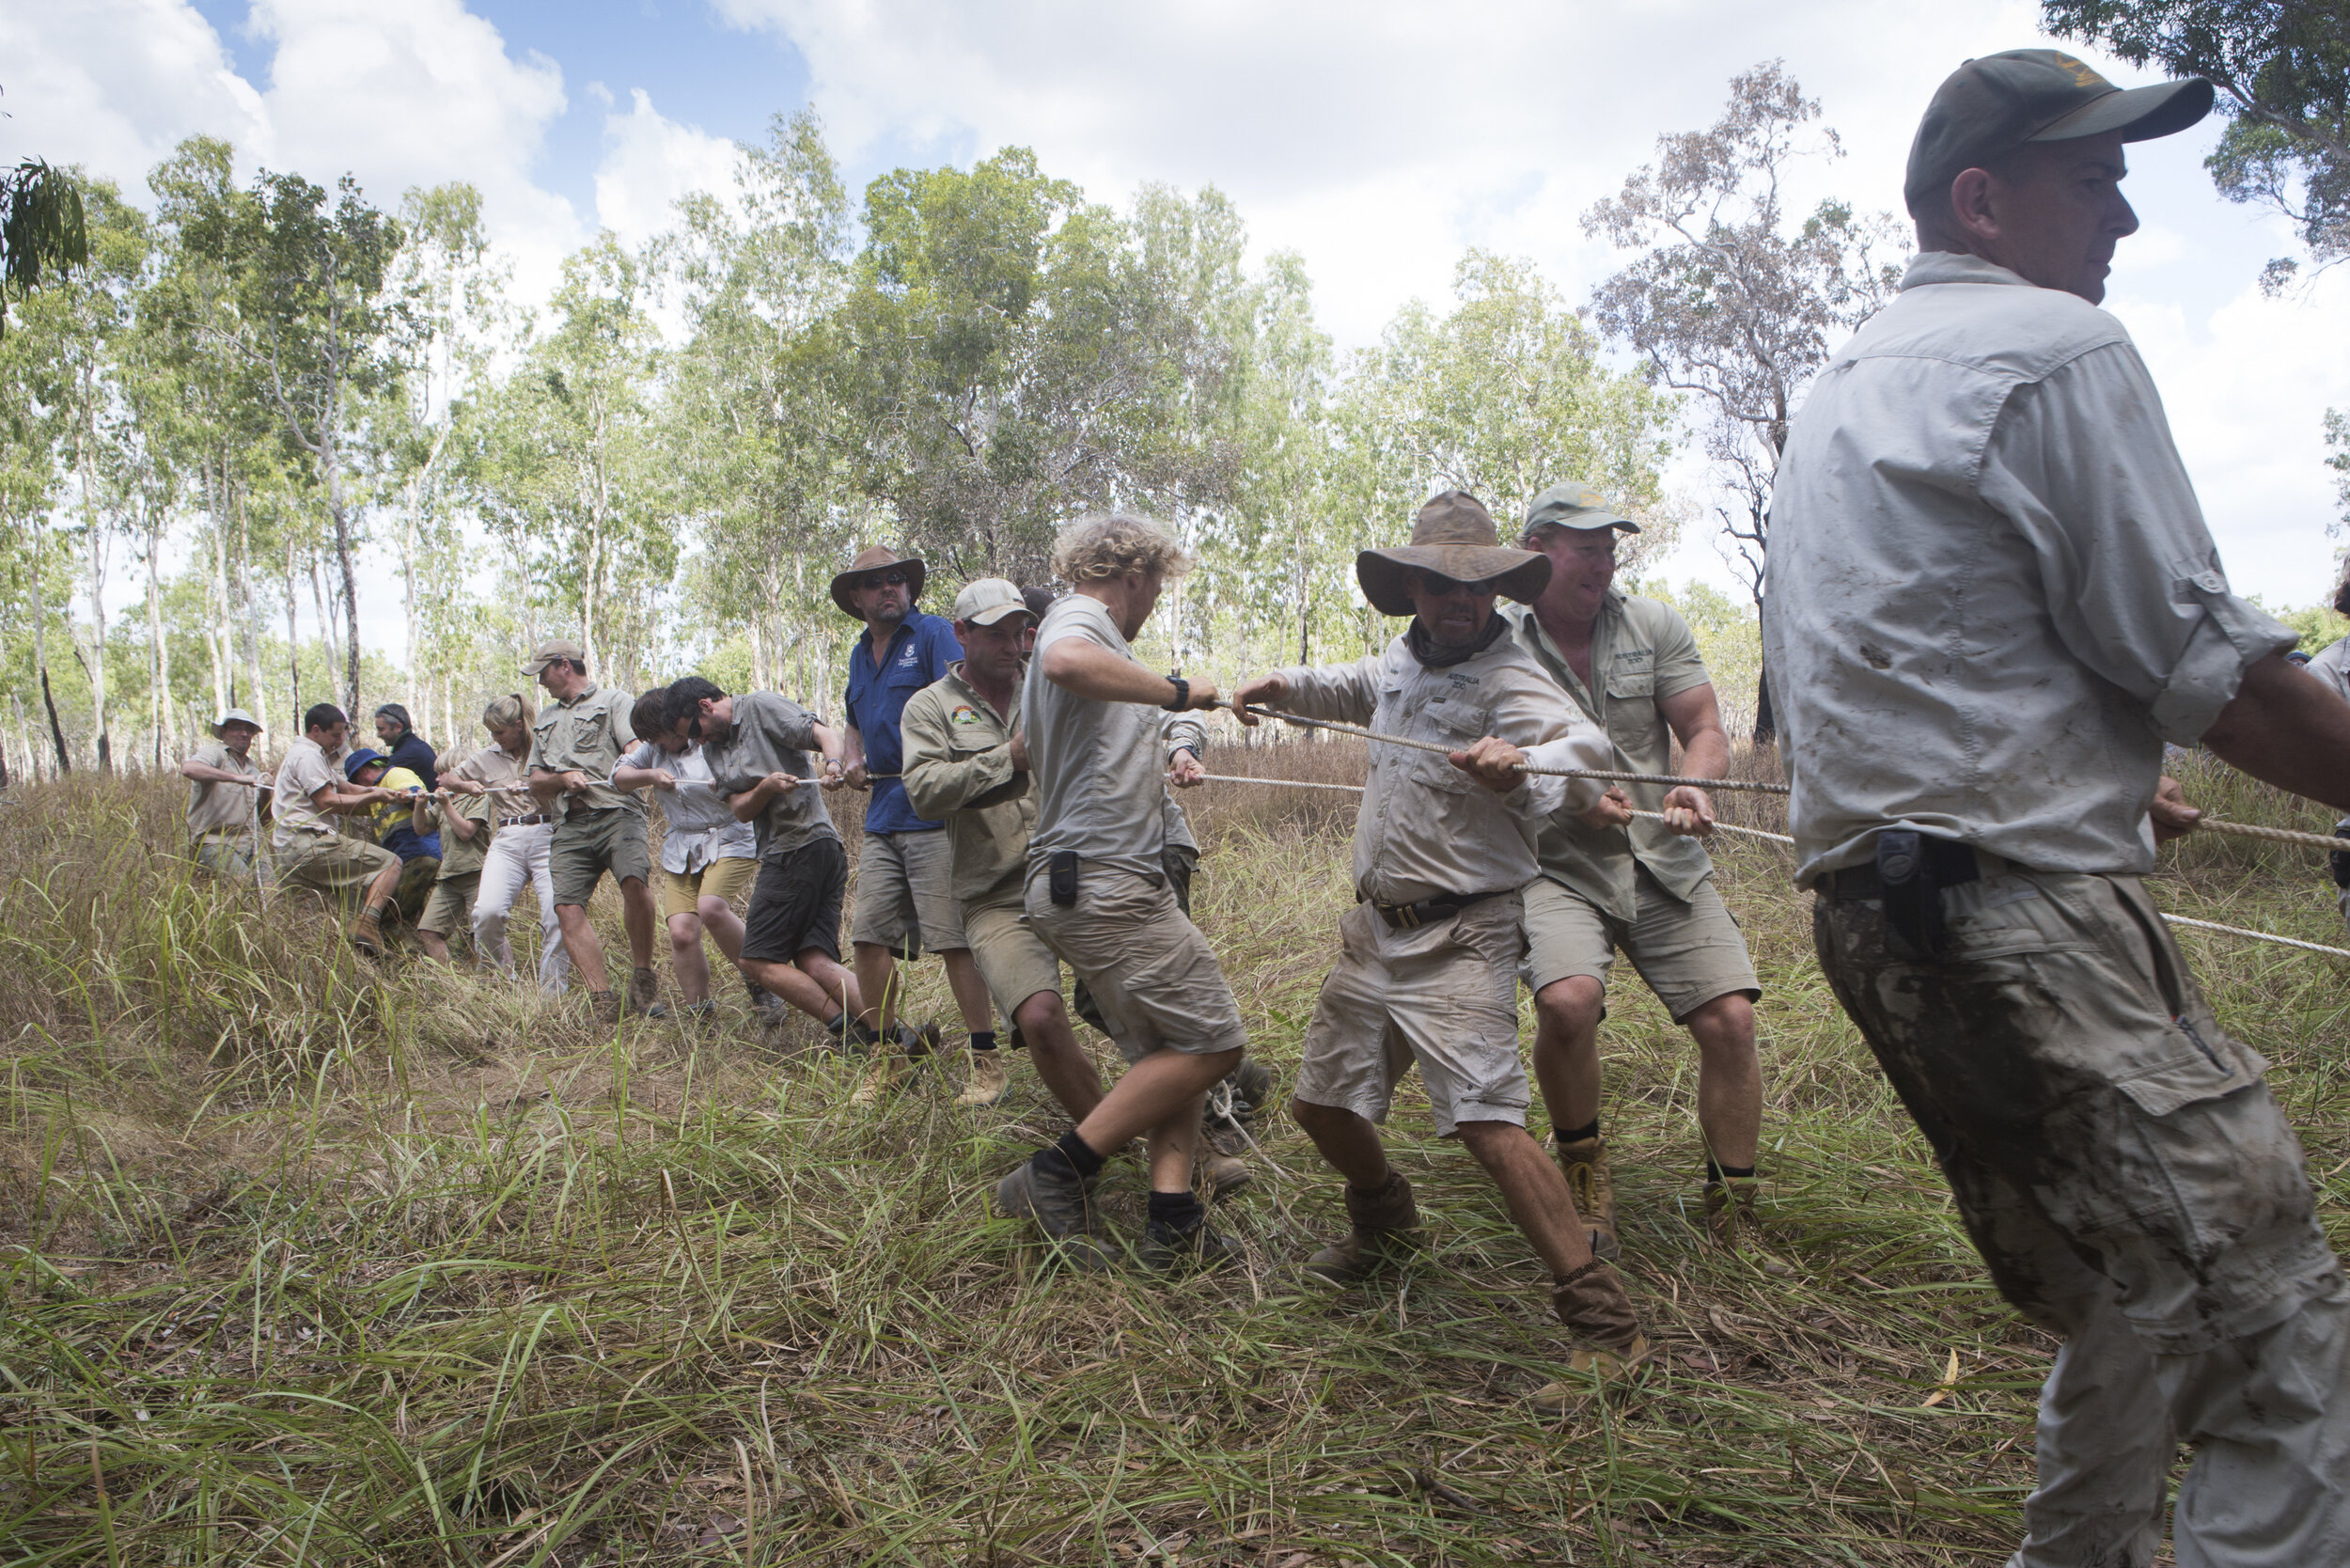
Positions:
{"x": 547, "y": 653}
{"x": 988, "y": 600}
{"x": 1574, "y": 506}
{"x": 236, "y": 715}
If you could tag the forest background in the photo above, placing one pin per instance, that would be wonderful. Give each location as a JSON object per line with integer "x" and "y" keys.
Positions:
{"x": 284, "y": 410}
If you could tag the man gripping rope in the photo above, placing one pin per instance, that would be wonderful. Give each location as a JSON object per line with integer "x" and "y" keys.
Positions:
{"x": 1992, "y": 600}
{"x": 1428, "y": 970}
{"x": 227, "y": 792}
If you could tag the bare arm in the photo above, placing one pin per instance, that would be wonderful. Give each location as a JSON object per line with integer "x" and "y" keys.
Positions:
{"x": 638, "y": 779}
{"x": 1695, "y": 717}
{"x": 751, "y": 802}
{"x": 1089, "y": 670}
{"x": 851, "y": 756}
{"x": 2288, "y": 730}
{"x": 204, "y": 773}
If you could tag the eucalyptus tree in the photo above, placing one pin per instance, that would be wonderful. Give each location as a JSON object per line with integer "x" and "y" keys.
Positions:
{"x": 44, "y": 232}
{"x": 30, "y": 484}
{"x": 1732, "y": 302}
{"x": 316, "y": 325}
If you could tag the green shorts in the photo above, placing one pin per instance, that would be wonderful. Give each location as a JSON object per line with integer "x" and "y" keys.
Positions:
{"x": 590, "y": 843}
{"x": 1690, "y": 953}
{"x": 450, "y": 907}
{"x": 1012, "y": 959}
{"x": 340, "y": 867}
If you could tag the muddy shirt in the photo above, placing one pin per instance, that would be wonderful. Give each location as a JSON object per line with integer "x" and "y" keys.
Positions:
{"x": 774, "y": 734}
{"x": 1426, "y": 828}
{"x": 1099, "y": 766}
{"x": 1991, "y": 594}
{"x": 213, "y": 807}
{"x": 1641, "y": 654}
{"x": 587, "y": 734}
{"x": 958, "y": 771}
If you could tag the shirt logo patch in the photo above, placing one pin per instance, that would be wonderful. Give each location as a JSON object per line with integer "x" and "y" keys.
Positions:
{"x": 907, "y": 657}
{"x": 1635, "y": 656}
{"x": 966, "y": 714}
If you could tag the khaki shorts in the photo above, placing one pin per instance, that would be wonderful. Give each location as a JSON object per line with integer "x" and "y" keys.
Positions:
{"x": 1688, "y": 953}
{"x": 1443, "y": 995}
{"x": 450, "y": 907}
{"x": 339, "y": 868}
{"x": 1158, "y": 983}
{"x": 591, "y": 843}
{"x": 1012, "y": 959}
{"x": 226, "y": 851}
{"x": 905, "y": 898}
{"x": 727, "y": 877}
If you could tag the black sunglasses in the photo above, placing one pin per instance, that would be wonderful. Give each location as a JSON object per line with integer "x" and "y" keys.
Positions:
{"x": 887, "y": 579}
{"x": 1437, "y": 583}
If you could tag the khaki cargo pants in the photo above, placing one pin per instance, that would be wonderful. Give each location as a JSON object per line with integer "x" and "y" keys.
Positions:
{"x": 2133, "y": 1188}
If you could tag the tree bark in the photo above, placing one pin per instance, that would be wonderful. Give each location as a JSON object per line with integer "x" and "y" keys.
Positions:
{"x": 57, "y": 730}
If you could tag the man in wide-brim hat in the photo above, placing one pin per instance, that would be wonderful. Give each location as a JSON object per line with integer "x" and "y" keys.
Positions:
{"x": 905, "y": 900}
{"x": 1428, "y": 969}
{"x": 225, "y": 789}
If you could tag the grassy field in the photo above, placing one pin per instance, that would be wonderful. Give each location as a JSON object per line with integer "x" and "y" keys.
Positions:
{"x": 308, "y": 1261}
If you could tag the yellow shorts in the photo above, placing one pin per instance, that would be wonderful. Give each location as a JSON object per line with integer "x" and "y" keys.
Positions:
{"x": 728, "y": 877}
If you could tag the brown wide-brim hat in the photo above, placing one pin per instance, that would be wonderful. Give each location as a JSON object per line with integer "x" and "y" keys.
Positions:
{"x": 870, "y": 561}
{"x": 1454, "y": 537}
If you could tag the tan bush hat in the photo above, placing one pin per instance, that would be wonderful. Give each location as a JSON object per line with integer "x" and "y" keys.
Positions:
{"x": 989, "y": 600}
{"x": 552, "y": 650}
{"x": 879, "y": 558}
{"x": 236, "y": 715}
{"x": 1454, "y": 537}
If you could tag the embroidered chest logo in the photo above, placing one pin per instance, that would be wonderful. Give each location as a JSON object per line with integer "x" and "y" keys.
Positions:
{"x": 1634, "y": 658}
{"x": 965, "y": 714}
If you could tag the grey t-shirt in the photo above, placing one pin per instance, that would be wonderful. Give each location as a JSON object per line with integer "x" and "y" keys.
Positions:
{"x": 774, "y": 734}
{"x": 1099, "y": 766}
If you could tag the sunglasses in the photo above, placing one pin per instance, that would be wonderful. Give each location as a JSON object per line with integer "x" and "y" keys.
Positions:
{"x": 1437, "y": 583}
{"x": 886, "y": 579}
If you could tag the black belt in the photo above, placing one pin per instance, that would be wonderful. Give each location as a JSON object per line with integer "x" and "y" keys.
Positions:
{"x": 1428, "y": 912}
{"x": 1947, "y": 864}
{"x": 527, "y": 822}
{"x": 1910, "y": 871}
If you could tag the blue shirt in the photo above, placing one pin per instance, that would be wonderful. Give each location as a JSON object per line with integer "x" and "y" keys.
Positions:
{"x": 917, "y": 654}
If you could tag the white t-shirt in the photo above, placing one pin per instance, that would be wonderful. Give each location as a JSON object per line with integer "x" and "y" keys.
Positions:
{"x": 1099, "y": 766}
{"x": 701, "y": 825}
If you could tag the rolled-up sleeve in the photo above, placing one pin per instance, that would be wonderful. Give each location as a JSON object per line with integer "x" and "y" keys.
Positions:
{"x": 2083, "y": 463}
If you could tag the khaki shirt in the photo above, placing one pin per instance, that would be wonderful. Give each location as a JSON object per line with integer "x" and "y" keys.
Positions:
{"x": 490, "y": 766}
{"x": 301, "y": 825}
{"x": 958, "y": 771}
{"x": 461, "y": 856}
{"x": 1641, "y": 654}
{"x": 1426, "y": 828}
{"x": 587, "y": 734}
{"x": 217, "y": 807}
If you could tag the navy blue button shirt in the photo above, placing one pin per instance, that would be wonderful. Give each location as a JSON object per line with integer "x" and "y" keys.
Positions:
{"x": 918, "y": 654}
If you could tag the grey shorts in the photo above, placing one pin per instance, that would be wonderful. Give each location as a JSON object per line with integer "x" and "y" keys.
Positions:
{"x": 1443, "y": 995}
{"x": 1012, "y": 959}
{"x": 591, "y": 843}
{"x": 450, "y": 907}
{"x": 2087, "y": 1106}
{"x": 1157, "y": 982}
{"x": 1688, "y": 953}
{"x": 905, "y": 898}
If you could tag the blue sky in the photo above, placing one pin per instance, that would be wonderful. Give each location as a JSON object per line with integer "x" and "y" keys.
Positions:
{"x": 1378, "y": 138}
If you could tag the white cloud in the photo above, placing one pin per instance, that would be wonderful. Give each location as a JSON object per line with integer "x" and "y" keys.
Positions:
{"x": 650, "y": 162}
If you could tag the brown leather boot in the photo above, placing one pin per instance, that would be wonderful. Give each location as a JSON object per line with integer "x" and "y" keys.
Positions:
{"x": 605, "y": 1007}
{"x": 1730, "y": 1223}
{"x": 1592, "y": 1301}
{"x": 644, "y": 990}
{"x": 366, "y": 931}
{"x": 1585, "y": 1162}
{"x": 1385, "y": 1230}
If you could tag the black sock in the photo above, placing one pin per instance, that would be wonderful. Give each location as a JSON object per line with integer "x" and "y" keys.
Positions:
{"x": 1181, "y": 1210}
{"x": 1577, "y": 1134}
{"x": 1070, "y": 1156}
{"x": 1716, "y": 1174}
{"x": 983, "y": 1040}
{"x": 858, "y": 1028}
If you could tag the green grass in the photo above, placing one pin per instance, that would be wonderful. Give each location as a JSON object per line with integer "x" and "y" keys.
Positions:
{"x": 307, "y": 1262}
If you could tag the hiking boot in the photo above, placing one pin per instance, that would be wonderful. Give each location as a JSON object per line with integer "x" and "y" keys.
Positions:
{"x": 605, "y": 1007}
{"x": 1730, "y": 1223}
{"x": 700, "y": 1013}
{"x": 1585, "y": 1161}
{"x": 1221, "y": 1175}
{"x": 1236, "y": 1098}
{"x": 1058, "y": 1206}
{"x": 366, "y": 931}
{"x": 987, "y": 1083}
{"x": 1172, "y": 1249}
{"x": 644, "y": 993}
{"x": 1591, "y": 1302}
{"x": 1386, "y": 1232}
{"x": 887, "y": 1075}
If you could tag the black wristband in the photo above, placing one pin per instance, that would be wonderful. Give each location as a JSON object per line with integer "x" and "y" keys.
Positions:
{"x": 1182, "y": 695}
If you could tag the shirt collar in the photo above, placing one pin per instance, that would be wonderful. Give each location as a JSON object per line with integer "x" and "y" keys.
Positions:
{"x": 578, "y": 697}
{"x": 906, "y": 628}
{"x": 1951, "y": 266}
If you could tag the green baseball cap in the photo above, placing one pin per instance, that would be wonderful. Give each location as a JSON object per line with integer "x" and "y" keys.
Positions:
{"x": 1995, "y": 105}
{"x": 1573, "y": 504}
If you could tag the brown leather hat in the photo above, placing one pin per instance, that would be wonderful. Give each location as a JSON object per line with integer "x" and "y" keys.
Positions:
{"x": 1454, "y": 537}
{"x": 867, "y": 563}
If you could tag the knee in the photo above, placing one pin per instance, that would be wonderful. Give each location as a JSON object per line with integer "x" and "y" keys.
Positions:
{"x": 1319, "y": 1120}
{"x": 1488, "y": 1142}
{"x": 1724, "y": 1024}
{"x": 1042, "y": 1016}
{"x": 1572, "y": 1005}
{"x": 711, "y": 909}
{"x": 684, "y": 931}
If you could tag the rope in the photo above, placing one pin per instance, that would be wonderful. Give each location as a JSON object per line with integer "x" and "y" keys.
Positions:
{"x": 2281, "y": 835}
{"x": 2259, "y": 936}
{"x": 1725, "y": 827}
{"x": 1338, "y": 727}
{"x": 1284, "y": 783}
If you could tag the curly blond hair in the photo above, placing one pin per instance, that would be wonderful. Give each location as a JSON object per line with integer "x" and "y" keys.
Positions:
{"x": 1116, "y": 544}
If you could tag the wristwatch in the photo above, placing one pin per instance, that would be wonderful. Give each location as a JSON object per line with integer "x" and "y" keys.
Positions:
{"x": 1182, "y": 695}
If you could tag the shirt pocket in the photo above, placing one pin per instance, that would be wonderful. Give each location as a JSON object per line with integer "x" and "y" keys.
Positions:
{"x": 1456, "y": 724}
{"x": 1632, "y": 682}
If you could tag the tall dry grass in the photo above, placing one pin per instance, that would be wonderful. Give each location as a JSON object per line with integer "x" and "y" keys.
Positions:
{"x": 311, "y": 1262}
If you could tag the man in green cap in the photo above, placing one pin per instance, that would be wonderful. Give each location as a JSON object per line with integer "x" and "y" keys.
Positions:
{"x": 577, "y": 742}
{"x": 1632, "y": 669}
{"x": 1427, "y": 968}
{"x": 1992, "y": 602}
